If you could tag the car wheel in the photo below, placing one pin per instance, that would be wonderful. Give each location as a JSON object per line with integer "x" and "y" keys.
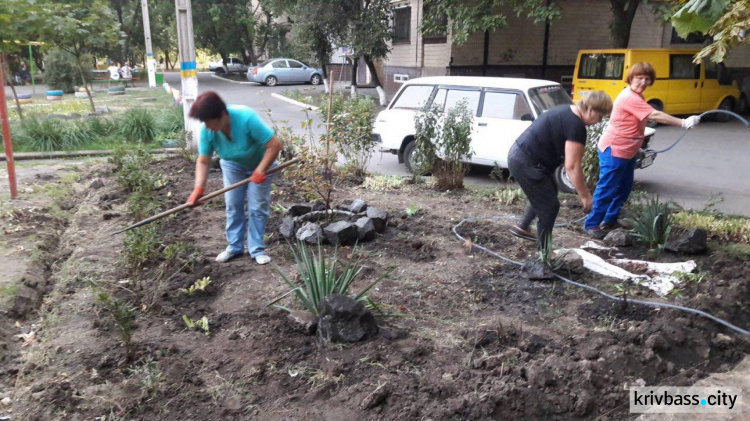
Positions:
{"x": 563, "y": 182}
{"x": 410, "y": 159}
{"x": 315, "y": 80}
{"x": 658, "y": 106}
{"x": 727, "y": 105}
{"x": 744, "y": 105}
{"x": 220, "y": 71}
{"x": 271, "y": 81}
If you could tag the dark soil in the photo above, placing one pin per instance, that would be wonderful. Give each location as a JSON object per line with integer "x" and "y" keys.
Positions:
{"x": 464, "y": 335}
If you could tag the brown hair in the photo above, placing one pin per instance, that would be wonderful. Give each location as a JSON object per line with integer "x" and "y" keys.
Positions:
{"x": 596, "y": 100}
{"x": 641, "y": 69}
{"x": 208, "y": 106}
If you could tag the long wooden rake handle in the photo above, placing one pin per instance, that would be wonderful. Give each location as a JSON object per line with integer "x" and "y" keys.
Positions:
{"x": 207, "y": 197}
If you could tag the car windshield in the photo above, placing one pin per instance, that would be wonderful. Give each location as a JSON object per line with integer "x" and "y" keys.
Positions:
{"x": 548, "y": 97}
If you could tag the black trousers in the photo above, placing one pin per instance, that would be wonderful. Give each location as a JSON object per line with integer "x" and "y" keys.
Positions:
{"x": 538, "y": 183}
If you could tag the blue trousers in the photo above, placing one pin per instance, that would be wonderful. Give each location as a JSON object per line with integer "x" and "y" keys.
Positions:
{"x": 612, "y": 190}
{"x": 258, "y": 198}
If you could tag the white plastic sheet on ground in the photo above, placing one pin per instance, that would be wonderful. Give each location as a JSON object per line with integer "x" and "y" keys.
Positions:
{"x": 658, "y": 276}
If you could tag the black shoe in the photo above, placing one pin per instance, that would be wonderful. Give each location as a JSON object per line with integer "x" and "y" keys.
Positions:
{"x": 596, "y": 233}
{"x": 608, "y": 226}
{"x": 522, "y": 233}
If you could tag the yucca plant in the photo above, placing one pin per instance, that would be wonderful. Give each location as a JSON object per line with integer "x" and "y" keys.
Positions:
{"x": 77, "y": 133}
{"x": 101, "y": 126}
{"x": 171, "y": 120}
{"x": 652, "y": 223}
{"x": 321, "y": 277}
{"x": 138, "y": 125}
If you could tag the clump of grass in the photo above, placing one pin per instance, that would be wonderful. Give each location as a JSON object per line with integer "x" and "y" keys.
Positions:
{"x": 320, "y": 277}
{"x": 729, "y": 228}
{"x": 199, "y": 285}
{"x": 412, "y": 210}
{"x": 138, "y": 125}
{"x": 40, "y": 134}
{"x": 76, "y": 133}
{"x": 652, "y": 223}
{"x": 171, "y": 120}
{"x": 507, "y": 196}
{"x": 383, "y": 182}
{"x": 150, "y": 375}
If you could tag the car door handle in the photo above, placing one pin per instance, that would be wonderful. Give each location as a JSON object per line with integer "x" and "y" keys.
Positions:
{"x": 695, "y": 85}
{"x": 482, "y": 124}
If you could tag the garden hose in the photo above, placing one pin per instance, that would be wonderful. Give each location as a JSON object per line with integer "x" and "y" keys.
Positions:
{"x": 737, "y": 116}
{"x": 592, "y": 289}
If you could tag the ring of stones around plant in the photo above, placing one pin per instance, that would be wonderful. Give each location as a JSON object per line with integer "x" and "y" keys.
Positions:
{"x": 469, "y": 337}
{"x": 312, "y": 224}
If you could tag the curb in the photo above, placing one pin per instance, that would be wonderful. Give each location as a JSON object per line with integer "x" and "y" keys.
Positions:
{"x": 213, "y": 75}
{"x": 293, "y": 102}
{"x": 27, "y": 156}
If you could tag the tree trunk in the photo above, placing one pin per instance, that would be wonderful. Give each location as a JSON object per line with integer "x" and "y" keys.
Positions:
{"x": 9, "y": 80}
{"x": 376, "y": 81}
{"x": 325, "y": 75}
{"x": 355, "y": 67}
{"x": 623, "y": 13}
{"x": 85, "y": 84}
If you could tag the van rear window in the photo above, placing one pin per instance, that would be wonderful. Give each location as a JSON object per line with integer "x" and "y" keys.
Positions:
{"x": 601, "y": 66}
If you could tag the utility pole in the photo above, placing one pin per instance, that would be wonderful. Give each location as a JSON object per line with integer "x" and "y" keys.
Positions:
{"x": 187, "y": 68}
{"x": 150, "y": 62}
{"x": 6, "y": 134}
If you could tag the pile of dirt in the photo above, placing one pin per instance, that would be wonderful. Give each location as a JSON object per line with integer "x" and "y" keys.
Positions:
{"x": 464, "y": 335}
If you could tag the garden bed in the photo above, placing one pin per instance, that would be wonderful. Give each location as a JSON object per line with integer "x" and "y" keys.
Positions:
{"x": 465, "y": 335}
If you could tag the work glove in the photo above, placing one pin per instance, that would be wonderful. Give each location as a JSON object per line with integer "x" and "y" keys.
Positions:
{"x": 258, "y": 177}
{"x": 197, "y": 193}
{"x": 690, "y": 122}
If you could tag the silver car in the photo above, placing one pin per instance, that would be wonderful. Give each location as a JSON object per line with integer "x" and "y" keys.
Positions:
{"x": 284, "y": 70}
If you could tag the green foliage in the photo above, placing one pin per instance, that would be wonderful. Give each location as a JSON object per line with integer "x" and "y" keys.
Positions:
{"x": 507, "y": 195}
{"x": 321, "y": 277}
{"x": 590, "y": 162}
{"x": 201, "y": 324}
{"x": 123, "y": 315}
{"x": 412, "y": 210}
{"x": 138, "y": 125}
{"x": 41, "y": 134}
{"x": 150, "y": 375}
{"x": 171, "y": 120}
{"x": 728, "y": 228}
{"x": 61, "y": 71}
{"x": 691, "y": 278}
{"x": 352, "y": 120}
{"x": 728, "y": 29}
{"x": 697, "y": 16}
{"x": 101, "y": 126}
{"x": 199, "y": 285}
{"x": 652, "y": 223}
{"x": 383, "y": 182}
{"x": 447, "y": 135}
{"x": 132, "y": 169}
{"x": 547, "y": 254}
{"x": 142, "y": 204}
{"x": 140, "y": 246}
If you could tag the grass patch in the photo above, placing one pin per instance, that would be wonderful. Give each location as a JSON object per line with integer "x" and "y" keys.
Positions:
{"x": 729, "y": 228}
{"x": 383, "y": 182}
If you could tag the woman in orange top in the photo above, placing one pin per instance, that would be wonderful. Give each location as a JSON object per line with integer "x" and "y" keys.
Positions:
{"x": 619, "y": 146}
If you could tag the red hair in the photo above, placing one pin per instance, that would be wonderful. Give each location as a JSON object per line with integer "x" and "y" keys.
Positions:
{"x": 208, "y": 106}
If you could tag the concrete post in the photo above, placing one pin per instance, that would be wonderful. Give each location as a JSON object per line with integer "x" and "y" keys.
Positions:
{"x": 187, "y": 68}
{"x": 150, "y": 61}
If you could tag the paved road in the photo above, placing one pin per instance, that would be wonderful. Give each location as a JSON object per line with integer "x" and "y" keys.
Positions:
{"x": 709, "y": 164}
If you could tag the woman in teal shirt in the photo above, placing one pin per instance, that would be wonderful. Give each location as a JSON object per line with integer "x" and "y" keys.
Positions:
{"x": 247, "y": 147}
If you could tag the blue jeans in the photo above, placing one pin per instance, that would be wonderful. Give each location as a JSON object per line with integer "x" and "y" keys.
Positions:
{"x": 258, "y": 208}
{"x": 612, "y": 190}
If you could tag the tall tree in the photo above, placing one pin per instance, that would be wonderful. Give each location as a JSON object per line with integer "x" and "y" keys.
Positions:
{"x": 370, "y": 35}
{"x": 14, "y": 27}
{"x": 224, "y": 26}
{"x": 78, "y": 27}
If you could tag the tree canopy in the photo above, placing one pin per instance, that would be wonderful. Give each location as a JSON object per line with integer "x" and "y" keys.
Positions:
{"x": 728, "y": 23}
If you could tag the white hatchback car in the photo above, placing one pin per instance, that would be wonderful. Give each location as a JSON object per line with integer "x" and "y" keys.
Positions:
{"x": 503, "y": 109}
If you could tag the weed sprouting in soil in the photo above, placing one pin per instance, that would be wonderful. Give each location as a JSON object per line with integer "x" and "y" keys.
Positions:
{"x": 140, "y": 246}
{"x": 124, "y": 315}
{"x": 149, "y": 374}
{"x": 412, "y": 210}
{"x": 652, "y": 223}
{"x": 320, "y": 278}
{"x": 378, "y": 182}
{"x": 198, "y": 286}
{"x": 199, "y": 324}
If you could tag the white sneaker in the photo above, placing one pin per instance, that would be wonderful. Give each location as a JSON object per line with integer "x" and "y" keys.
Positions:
{"x": 262, "y": 259}
{"x": 226, "y": 256}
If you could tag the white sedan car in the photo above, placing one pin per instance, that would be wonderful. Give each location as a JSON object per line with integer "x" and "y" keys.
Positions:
{"x": 503, "y": 108}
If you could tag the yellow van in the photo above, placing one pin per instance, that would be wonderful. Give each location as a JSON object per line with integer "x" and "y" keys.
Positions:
{"x": 681, "y": 87}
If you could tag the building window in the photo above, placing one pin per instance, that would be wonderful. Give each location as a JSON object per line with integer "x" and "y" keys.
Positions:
{"x": 402, "y": 25}
{"x": 439, "y": 35}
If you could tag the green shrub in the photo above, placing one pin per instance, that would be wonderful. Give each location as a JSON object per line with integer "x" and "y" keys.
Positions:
{"x": 171, "y": 120}
{"x": 60, "y": 71}
{"x": 76, "y": 133}
{"x": 590, "y": 163}
{"x": 351, "y": 127}
{"x": 138, "y": 125}
{"x": 321, "y": 277}
{"x": 101, "y": 126}
{"x": 123, "y": 314}
{"x": 40, "y": 134}
{"x": 448, "y": 135}
{"x": 652, "y": 223}
{"x": 140, "y": 246}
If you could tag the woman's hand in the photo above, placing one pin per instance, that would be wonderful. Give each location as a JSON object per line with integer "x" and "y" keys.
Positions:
{"x": 197, "y": 193}
{"x": 587, "y": 203}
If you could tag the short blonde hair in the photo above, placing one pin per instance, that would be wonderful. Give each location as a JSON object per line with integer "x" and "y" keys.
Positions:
{"x": 598, "y": 101}
{"x": 641, "y": 69}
